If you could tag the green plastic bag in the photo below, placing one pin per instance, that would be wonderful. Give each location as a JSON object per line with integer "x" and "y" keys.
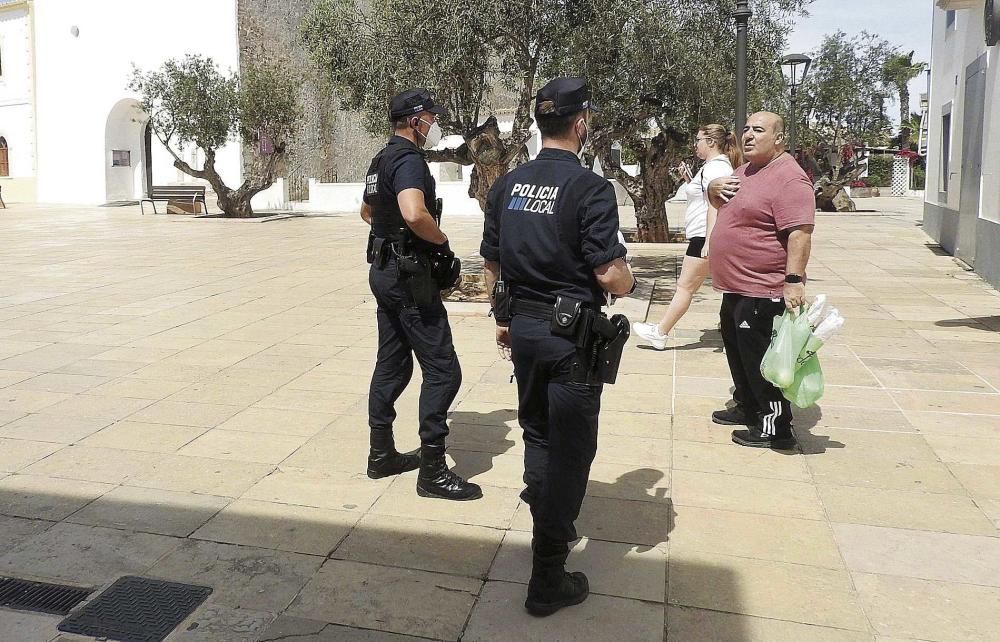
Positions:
{"x": 807, "y": 386}
{"x": 789, "y": 334}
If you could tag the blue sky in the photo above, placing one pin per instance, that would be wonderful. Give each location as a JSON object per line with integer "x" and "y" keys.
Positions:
{"x": 905, "y": 23}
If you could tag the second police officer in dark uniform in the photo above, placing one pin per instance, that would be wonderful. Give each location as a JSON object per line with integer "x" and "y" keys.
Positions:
{"x": 553, "y": 252}
{"x": 411, "y": 263}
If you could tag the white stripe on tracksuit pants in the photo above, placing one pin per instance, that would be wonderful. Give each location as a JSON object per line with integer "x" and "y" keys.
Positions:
{"x": 746, "y": 333}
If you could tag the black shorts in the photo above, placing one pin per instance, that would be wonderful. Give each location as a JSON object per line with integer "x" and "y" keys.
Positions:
{"x": 695, "y": 245}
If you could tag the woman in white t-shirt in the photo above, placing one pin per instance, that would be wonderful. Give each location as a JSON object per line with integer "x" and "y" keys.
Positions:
{"x": 720, "y": 150}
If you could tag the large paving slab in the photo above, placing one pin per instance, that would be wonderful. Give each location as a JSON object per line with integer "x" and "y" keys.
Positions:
{"x": 187, "y": 399}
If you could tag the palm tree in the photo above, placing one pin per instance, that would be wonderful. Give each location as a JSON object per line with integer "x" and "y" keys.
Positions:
{"x": 897, "y": 72}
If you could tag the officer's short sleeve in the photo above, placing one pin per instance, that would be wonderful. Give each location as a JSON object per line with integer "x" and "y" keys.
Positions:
{"x": 599, "y": 238}
{"x": 490, "y": 247}
{"x": 409, "y": 172}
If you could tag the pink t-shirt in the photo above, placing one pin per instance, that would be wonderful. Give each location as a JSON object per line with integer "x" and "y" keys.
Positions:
{"x": 749, "y": 244}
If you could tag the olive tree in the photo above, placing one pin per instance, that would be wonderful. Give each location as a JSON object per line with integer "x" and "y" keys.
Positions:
{"x": 481, "y": 58}
{"x": 191, "y": 102}
{"x": 662, "y": 68}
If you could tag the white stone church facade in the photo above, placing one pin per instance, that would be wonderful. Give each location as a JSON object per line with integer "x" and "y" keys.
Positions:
{"x": 73, "y": 133}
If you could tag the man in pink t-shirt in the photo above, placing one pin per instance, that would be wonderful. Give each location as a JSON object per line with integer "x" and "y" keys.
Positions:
{"x": 760, "y": 248}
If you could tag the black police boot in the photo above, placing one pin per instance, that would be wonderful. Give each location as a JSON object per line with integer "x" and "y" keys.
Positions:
{"x": 753, "y": 437}
{"x": 435, "y": 480}
{"x": 383, "y": 458}
{"x": 551, "y": 587}
{"x": 735, "y": 416}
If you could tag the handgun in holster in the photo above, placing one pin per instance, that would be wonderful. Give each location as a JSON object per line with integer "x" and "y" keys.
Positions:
{"x": 413, "y": 270}
{"x": 599, "y": 340}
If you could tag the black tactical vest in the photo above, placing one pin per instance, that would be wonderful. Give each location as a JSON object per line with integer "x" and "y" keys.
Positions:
{"x": 387, "y": 219}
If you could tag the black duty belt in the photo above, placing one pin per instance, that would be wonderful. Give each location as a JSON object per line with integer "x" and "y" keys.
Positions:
{"x": 534, "y": 309}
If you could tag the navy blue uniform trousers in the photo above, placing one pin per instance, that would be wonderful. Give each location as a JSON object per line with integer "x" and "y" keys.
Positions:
{"x": 402, "y": 333}
{"x": 559, "y": 420}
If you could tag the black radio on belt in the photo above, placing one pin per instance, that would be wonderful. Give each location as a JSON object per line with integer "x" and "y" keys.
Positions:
{"x": 501, "y": 302}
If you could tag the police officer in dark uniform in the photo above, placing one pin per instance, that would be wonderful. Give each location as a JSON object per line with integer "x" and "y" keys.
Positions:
{"x": 553, "y": 255}
{"x": 411, "y": 264}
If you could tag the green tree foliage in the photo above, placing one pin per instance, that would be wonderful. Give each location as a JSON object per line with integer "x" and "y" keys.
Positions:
{"x": 191, "y": 102}
{"x": 897, "y": 72}
{"x": 662, "y": 68}
{"x": 479, "y": 57}
{"x": 845, "y": 95}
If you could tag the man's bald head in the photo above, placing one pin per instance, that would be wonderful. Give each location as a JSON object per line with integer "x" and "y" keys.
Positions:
{"x": 763, "y": 138}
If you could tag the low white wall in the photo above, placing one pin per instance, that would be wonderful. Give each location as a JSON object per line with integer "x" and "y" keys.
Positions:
{"x": 274, "y": 197}
{"x": 346, "y": 197}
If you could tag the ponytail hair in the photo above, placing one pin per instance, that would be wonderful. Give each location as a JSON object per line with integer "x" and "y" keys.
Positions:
{"x": 725, "y": 141}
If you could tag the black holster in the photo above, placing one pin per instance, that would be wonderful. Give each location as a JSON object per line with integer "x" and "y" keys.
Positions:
{"x": 414, "y": 274}
{"x": 599, "y": 340}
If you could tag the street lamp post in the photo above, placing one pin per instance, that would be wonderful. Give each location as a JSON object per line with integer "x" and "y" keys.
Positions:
{"x": 742, "y": 16}
{"x": 792, "y": 63}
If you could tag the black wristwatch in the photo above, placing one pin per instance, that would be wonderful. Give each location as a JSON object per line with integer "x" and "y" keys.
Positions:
{"x": 793, "y": 278}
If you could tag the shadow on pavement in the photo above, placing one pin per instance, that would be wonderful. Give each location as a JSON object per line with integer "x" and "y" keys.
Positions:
{"x": 283, "y": 571}
{"x": 986, "y": 324}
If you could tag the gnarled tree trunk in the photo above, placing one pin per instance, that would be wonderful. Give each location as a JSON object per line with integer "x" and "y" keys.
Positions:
{"x": 235, "y": 203}
{"x": 489, "y": 155}
{"x": 652, "y": 187}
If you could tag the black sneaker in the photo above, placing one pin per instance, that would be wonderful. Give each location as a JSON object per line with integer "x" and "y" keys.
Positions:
{"x": 735, "y": 416}
{"x": 754, "y": 438}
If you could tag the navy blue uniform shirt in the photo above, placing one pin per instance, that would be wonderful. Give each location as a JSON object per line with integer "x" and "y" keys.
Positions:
{"x": 399, "y": 166}
{"x": 550, "y": 223}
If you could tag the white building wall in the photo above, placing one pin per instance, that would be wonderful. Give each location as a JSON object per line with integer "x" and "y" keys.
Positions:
{"x": 85, "y": 50}
{"x": 16, "y": 113}
{"x": 953, "y": 49}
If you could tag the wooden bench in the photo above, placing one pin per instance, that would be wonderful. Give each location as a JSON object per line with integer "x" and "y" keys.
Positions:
{"x": 181, "y": 193}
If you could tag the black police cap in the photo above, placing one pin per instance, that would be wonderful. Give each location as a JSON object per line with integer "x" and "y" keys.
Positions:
{"x": 567, "y": 95}
{"x": 413, "y": 101}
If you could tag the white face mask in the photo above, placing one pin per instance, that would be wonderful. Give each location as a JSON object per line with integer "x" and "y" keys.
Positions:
{"x": 433, "y": 136}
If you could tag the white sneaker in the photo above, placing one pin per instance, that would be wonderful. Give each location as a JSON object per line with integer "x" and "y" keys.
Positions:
{"x": 650, "y": 332}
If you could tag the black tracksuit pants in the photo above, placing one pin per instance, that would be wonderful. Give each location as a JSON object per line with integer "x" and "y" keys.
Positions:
{"x": 404, "y": 332}
{"x": 746, "y": 334}
{"x": 559, "y": 420}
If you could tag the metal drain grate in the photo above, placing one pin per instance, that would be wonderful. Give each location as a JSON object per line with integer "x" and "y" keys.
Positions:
{"x": 136, "y": 609}
{"x": 39, "y": 596}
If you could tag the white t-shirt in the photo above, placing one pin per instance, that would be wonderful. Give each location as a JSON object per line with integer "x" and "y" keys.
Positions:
{"x": 696, "y": 216}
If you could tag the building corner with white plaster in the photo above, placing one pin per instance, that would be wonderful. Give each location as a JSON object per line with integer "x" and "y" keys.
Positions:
{"x": 962, "y": 200}
{"x": 73, "y": 132}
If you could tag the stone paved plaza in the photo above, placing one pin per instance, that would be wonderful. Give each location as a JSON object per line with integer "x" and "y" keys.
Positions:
{"x": 186, "y": 399}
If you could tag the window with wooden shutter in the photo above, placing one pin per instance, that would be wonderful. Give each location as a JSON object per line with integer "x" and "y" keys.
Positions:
{"x": 4, "y": 163}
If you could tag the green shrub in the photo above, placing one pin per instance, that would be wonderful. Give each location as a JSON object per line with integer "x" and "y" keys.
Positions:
{"x": 879, "y": 171}
{"x": 919, "y": 178}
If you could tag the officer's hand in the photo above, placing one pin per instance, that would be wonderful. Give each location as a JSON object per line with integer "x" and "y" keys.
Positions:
{"x": 795, "y": 295}
{"x": 723, "y": 189}
{"x": 503, "y": 341}
{"x": 704, "y": 250}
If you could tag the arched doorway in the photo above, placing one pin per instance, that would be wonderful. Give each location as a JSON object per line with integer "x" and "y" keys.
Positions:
{"x": 126, "y": 152}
